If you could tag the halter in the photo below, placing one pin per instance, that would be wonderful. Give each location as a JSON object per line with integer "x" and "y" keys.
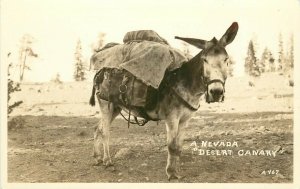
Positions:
{"x": 215, "y": 81}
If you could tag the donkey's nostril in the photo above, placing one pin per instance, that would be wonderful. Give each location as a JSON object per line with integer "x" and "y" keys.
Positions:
{"x": 216, "y": 92}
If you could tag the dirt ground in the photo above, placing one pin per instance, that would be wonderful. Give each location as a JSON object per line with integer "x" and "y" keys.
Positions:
{"x": 54, "y": 138}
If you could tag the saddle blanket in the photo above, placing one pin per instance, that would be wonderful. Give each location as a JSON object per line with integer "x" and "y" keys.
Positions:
{"x": 146, "y": 60}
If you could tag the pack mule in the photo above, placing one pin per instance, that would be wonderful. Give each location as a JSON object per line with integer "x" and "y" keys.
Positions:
{"x": 205, "y": 73}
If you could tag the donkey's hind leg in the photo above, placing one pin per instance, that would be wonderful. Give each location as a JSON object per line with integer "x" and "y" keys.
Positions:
{"x": 101, "y": 135}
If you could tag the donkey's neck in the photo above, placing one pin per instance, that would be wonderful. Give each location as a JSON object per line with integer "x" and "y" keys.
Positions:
{"x": 191, "y": 76}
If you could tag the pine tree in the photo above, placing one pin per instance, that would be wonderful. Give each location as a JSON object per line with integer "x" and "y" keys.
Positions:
{"x": 272, "y": 66}
{"x": 57, "y": 79}
{"x": 249, "y": 58}
{"x": 264, "y": 60}
{"x": 267, "y": 61}
{"x": 79, "y": 73}
{"x": 288, "y": 61}
{"x": 99, "y": 44}
{"x": 261, "y": 66}
{"x": 25, "y": 52}
{"x": 291, "y": 52}
{"x": 280, "y": 54}
{"x": 251, "y": 62}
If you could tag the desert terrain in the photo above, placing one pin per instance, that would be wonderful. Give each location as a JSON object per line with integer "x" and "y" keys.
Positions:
{"x": 50, "y": 137}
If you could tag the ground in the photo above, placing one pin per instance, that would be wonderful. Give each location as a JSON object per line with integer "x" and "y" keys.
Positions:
{"x": 52, "y": 137}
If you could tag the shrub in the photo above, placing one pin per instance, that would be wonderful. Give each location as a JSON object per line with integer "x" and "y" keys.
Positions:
{"x": 15, "y": 123}
{"x": 11, "y": 88}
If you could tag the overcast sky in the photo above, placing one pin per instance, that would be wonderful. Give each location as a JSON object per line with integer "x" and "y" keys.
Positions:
{"x": 58, "y": 24}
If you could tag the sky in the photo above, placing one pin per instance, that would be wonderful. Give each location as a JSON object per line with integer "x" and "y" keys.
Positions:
{"x": 58, "y": 24}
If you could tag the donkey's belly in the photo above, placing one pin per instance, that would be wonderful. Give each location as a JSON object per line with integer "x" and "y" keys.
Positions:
{"x": 140, "y": 112}
{"x": 132, "y": 111}
{"x": 154, "y": 115}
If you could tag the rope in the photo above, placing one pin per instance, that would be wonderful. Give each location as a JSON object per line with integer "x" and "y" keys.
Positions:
{"x": 129, "y": 121}
{"x": 136, "y": 121}
{"x": 131, "y": 99}
{"x": 128, "y": 103}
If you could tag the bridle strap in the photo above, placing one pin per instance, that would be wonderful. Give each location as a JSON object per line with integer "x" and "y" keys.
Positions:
{"x": 216, "y": 81}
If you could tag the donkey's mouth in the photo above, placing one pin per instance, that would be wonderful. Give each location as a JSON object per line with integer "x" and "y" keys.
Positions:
{"x": 213, "y": 98}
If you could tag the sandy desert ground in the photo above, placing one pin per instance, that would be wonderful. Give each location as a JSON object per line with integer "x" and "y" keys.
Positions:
{"x": 51, "y": 140}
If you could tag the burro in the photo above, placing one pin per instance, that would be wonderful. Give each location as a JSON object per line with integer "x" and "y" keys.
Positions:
{"x": 177, "y": 98}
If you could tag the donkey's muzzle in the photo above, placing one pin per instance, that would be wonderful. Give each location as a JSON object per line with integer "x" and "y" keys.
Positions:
{"x": 215, "y": 92}
{"x": 215, "y": 95}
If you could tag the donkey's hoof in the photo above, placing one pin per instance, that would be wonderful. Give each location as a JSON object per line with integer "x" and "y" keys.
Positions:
{"x": 174, "y": 177}
{"x": 98, "y": 160}
{"x": 98, "y": 163}
{"x": 107, "y": 163}
{"x": 109, "y": 166}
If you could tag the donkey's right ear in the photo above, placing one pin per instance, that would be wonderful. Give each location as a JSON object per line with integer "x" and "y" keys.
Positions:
{"x": 199, "y": 43}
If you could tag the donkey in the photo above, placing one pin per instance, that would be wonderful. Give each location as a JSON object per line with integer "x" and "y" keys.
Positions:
{"x": 203, "y": 74}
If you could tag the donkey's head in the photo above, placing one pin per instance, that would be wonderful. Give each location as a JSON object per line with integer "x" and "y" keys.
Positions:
{"x": 214, "y": 60}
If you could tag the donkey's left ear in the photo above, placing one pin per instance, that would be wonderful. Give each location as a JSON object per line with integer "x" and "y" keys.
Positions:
{"x": 230, "y": 34}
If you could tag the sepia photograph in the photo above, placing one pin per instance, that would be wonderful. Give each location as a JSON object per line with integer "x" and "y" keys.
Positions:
{"x": 120, "y": 94}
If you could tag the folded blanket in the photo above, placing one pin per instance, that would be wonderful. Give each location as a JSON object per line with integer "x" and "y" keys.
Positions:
{"x": 144, "y": 35}
{"x": 146, "y": 60}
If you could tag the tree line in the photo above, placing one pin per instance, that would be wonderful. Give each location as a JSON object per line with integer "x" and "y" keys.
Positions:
{"x": 255, "y": 66}
{"x": 80, "y": 65}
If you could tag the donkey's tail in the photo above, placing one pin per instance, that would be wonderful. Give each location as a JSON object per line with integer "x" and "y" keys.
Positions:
{"x": 92, "y": 99}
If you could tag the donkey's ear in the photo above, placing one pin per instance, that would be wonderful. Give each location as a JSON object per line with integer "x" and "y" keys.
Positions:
{"x": 230, "y": 34}
{"x": 196, "y": 42}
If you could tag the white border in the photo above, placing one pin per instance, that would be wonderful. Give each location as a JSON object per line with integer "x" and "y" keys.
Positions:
{"x": 3, "y": 129}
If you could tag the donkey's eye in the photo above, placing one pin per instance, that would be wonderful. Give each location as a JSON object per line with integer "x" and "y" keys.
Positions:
{"x": 226, "y": 60}
{"x": 204, "y": 59}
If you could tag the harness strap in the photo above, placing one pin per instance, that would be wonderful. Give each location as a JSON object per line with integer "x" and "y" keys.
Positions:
{"x": 185, "y": 102}
{"x": 171, "y": 78}
{"x": 128, "y": 121}
{"x": 109, "y": 87}
{"x": 216, "y": 81}
{"x": 130, "y": 98}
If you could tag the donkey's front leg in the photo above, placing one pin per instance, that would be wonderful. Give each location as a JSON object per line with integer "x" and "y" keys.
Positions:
{"x": 101, "y": 135}
{"x": 174, "y": 147}
{"x": 175, "y": 141}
